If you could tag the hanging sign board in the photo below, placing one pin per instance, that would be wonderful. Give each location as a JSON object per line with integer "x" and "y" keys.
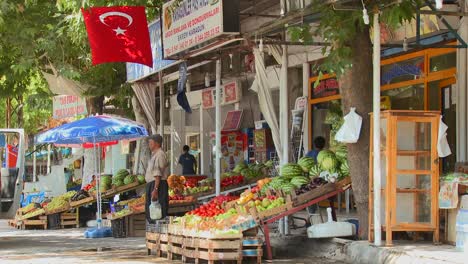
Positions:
{"x": 136, "y": 71}
{"x": 68, "y": 106}
{"x": 233, "y": 120}
{"x": 230, "y": 94}
{"x": 190, "y": 23}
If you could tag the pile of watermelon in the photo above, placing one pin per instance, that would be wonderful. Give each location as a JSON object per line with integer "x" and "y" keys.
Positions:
{"x": 119, "y": 177}
{"x": 331, "y": 166}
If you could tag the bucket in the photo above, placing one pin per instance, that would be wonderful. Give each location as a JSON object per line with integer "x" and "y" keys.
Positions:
{"x": 462, "y": 238}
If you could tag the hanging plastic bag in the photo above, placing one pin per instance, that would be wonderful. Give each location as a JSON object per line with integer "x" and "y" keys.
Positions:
{"x": 351, "y": 128}
{"x": 155, "y": 210}
{"x": 443, "y": 147}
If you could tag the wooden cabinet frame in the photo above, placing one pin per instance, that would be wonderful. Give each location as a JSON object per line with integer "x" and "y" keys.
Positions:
{"x": 389, "y": 192}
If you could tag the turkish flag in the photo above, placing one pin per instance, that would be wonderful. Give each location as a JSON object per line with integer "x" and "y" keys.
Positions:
{"x": 118, "y": 34}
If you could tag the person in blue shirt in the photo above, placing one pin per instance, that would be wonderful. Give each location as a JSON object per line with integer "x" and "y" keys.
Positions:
{"x": 188, "y": 162}
{"x": 319, "y": 144}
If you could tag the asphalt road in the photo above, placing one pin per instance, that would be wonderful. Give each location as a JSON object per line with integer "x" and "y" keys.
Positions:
{"x": 69, "y": 247}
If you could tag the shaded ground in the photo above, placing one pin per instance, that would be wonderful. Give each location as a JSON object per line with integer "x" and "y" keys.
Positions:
{"x": 69, "y": 246}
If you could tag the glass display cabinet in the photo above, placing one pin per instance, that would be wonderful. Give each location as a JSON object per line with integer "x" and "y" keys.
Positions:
{"x": 409, "y": 173}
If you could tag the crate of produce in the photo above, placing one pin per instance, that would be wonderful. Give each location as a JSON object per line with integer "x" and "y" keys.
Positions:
{"x": 264, "y": 214}
{"x": 36, "y": 222}
{"x": 53, "y": 221}
{"x": 313, "y": 194}
{"x": 82, "y": 202}
{"x": 57, "y": 210}
{"x": 344, "y": 183}
{"x": 175, "y": 246}
{"x": 119, "y": 228}
{"x": 156, "y": 242}
{"x": 252, "y": 247}
{"x": 213, "y": 250}
{"x": 32, "y": 214}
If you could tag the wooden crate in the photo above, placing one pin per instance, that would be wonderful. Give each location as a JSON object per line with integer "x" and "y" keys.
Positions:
{"x": 57, "y": 210}
{"x": 156, "y": 243}
{"x": 37, "y": 222}
{"x": 212, "y": 250}
{"x": 315, "y": 193}
{"x": 252, "y": 247}
{"x": 82, "y": 202}
{"x": 125, "y": 187}
{"x": 15, "y": 223}
{"x": 70, "y": 219}
{"x": 175, "y": 246}
{"x": 272, "y": 212}
{"x": 136, "y": 225}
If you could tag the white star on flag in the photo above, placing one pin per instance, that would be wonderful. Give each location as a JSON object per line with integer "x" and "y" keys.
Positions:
{"x": 119, "y": 31}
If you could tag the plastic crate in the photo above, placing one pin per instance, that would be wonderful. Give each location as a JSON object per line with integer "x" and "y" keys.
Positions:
{"x": 53, "y": 221}
{"x": 159, "y": 227}
{"x": 119, "y": 228}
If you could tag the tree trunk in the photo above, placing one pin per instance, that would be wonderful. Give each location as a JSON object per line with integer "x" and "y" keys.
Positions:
{"x": 8, "y": 112}
{"x": 142, "y": 150}
{"x": 356, "y": 91}
{"x": 20, "y": 112}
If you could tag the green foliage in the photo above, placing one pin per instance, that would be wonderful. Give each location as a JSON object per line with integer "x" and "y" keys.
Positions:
{"x": 338, "y": 27}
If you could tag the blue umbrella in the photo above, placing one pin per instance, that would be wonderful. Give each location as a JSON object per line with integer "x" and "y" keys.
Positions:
{"x": 93, "y": 129}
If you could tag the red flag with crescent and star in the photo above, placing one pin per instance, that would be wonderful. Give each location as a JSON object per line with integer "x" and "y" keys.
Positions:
{"x": 118, "y": 34}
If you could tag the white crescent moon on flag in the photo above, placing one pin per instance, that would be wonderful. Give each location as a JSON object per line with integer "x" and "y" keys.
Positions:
{"x": 114, "y": 13}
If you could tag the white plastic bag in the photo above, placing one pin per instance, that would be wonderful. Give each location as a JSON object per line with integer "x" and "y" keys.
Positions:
{"x": 443, "y": 147}
{"x": 155, "y": 210}
{"x": 351, "y": 128}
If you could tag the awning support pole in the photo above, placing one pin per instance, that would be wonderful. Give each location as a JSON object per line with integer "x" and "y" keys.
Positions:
{"x": 376, "y": 133}
{"x": 218, "y": 127}
{"x": 284, "y": 121}
{"x": 161, "y": 104}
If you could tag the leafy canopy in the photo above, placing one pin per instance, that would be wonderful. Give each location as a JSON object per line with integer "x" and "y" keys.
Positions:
{"x": 338, "y": 27}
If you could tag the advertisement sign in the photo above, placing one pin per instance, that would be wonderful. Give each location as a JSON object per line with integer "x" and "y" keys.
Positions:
{"x": 136, "y": 71}
{"x": 68, "y": 106}
{"x": 326, "y": 87}
{"x": 233, "y": 120}
{"x": 230, "y": 93}
{"x": 233, "y": 149}
{"x": 192, "y": 22}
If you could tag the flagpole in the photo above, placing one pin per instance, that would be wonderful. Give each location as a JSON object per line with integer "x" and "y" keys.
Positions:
{"x": 161, "y": 104}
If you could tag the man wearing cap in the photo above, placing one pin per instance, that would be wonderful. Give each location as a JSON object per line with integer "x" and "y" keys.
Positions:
{"x": 156, "y": 177}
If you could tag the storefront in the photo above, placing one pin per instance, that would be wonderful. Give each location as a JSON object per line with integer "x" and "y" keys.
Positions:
{"x": 420, "y": 80}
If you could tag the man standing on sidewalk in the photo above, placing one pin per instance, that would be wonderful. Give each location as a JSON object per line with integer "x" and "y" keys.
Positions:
{"x": 157, "y": 172}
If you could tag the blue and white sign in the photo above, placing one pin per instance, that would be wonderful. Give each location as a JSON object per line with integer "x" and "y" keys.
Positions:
{"x": 137, "y": 71}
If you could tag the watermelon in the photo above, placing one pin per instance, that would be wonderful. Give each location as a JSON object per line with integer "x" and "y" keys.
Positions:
{"x": 306, "y": 163}
{"x": 299, "y": 181}
{"x": 315, "y": 171}
{"x": 291, "y": 170}
{"x": 141, "y": 179}
{"x": 129, "y": 179}
{"x": 288, "y": 188}
{"x": 329, "y": 162}
{"x": 322, "y": 154}
{"x": 239, "y": 167}
{"x": 269, "y": 164}
{"x": 344, "y": 168}
{"x": 121, "y": 174}
{"x": 118, "y": 183}
{"x": 277, "y": 182}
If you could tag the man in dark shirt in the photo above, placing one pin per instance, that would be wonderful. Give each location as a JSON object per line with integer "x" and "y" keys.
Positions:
{"x": 188, "y": 162}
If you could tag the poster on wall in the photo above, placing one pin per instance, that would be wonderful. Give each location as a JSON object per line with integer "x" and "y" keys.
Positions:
{"x": 136, "y": 71}
{"x": 189, "y": 23}
{"x": 230, "y": 94}
{"x": 233, "y": 149}
{"x": 68, "y": 106}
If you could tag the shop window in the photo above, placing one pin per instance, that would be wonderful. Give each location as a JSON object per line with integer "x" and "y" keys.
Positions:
{"x": 443, "y": 62}
{"x": 407, "y": 70}
{"x": 406, "y": 98}
{"x": 326, "y": 87}
{"x": 326, "y": 119}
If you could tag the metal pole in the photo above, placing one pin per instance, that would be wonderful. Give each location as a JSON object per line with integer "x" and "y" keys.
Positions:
{"x": 161, "y": 104}
{"x": 305, "y": 92}
{"x": 376, "y": 133}
{"x": 48, "y": 159}
{"x": 218, "y": 127}
{"x": 172, "y": 140}
{"x": 34, "y": 165}
{"x": 202, "y": 142}
{"x": 284, "y": 121}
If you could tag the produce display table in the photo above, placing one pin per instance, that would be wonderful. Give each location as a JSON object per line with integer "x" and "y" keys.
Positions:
{"x": 264, "y": 223}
